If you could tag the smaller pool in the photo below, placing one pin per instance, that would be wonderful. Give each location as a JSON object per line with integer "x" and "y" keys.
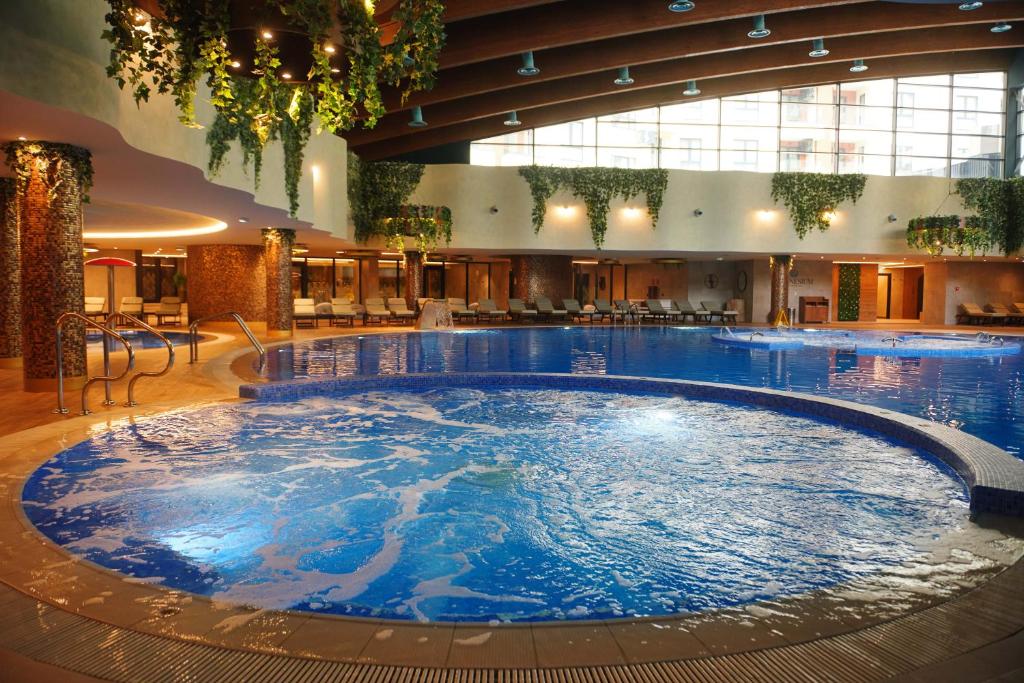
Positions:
{"x": 139, "y": 339}
{"x": 870, "y": 343}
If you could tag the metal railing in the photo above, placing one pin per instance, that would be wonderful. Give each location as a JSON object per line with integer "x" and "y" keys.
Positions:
{"x": 193, "y": 337}
{"x": 71, "y": 315}
{"x": 141, "y": 373}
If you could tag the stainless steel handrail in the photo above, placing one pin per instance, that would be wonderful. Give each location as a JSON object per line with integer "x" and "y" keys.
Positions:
{"x": 99, "y": 378}
{"x": 141, "y": 373}
{"x": 193, "y": 337}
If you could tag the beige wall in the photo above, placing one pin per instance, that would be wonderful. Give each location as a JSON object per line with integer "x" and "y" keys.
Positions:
{"x": 731, "y": 222}
{"x": 981, "y": 283}
{"x": 671, "y": 279}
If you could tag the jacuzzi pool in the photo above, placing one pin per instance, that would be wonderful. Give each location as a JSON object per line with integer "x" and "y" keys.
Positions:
{"x": 139, "y": 339}
{"x": 982, "y": 396}
{"x": 499, "y": 503}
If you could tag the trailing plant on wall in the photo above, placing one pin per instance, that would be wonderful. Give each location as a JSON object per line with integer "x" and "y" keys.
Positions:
{"x": 848, "y": 306}
{"x": 188, "y": 40}
{"x": 811, "y": 198}
{"x": 377, "y": 190}
{"x": 47, "y": 158}
{"x": 935, "y": 233}
{"x": 427, "y": 224}
{"x": 1013, "y": 238}
{"x": 596, "y": 187}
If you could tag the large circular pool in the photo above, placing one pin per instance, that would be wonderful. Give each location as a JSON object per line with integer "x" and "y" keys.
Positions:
{"x": 505, "y": 503}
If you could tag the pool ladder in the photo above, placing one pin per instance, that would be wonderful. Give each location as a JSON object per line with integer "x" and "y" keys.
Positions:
{"x": 894, "y": 340}
{"x": 193, "y": 337}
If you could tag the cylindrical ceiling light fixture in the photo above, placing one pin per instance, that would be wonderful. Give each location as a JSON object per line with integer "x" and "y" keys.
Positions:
{"x": 624, "y": 77}
{"x": 691, "y": 89}
{"x": 760, "y": 30}
{"x": 417, "y": 118}
{"x": 528, "y": 68}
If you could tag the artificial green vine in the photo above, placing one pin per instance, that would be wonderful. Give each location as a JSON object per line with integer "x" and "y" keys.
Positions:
{"x": 428, "y": 224}
{"x": 811, "y": 198}
{"x": 998, "y": 208}
{"x": 377, "y": 191}
{"x": 47, "y": 159}
{"x": 187, "y": 39}
{"x": 596, "y": 187}
{"x": 935, "y": 233}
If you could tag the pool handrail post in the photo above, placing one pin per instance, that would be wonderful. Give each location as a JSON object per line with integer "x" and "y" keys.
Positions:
{"x": 193, "y": 337}
{"x": 73, "y": 315}
{"x": 156, "y": 333}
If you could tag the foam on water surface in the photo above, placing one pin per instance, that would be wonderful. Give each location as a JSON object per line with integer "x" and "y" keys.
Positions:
{"x": 496, "y": 505}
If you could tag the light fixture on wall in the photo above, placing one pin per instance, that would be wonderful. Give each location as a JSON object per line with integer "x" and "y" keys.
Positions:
{"x": 691, "y": 89}
{"x": 512, "y": 120}
{"x": 759, "y": 30}
{"x": 417, "y": 118}
{"x": 681, "y": 6}
{"x": 818, "y": 48}
{"x": 1001, "y": 27}
{"x": 528, "y": 68}
{"x": 968, "y": 6}
{"x": 698, "y": 212}
{"x": 624, "y": 77}
{"x": 858, "y": 66}
{"x": 892, "y": 218}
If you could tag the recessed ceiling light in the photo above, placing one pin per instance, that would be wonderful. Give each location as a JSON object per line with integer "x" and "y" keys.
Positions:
{"x": 22, "y": 138}
{"x": 512, "y": 120}
{"x": 267, "y": 35}
{"x": 691, "y": 89}
{"x": 528, "y": 68}
{"x": 624, "y": 77}
{"x": 329, "y": 49}
{"x": 335, "y": 70}
{"x": 968, "y": 6}
{"x": 818, "y": 48}
{"x": 147, "y": 234}
{"x": 681, "y": 6}
{"x": 243, "y": 219}
{"x": 1001, "y": 27}
{"x": 858, "y": 66}
{"x": 235, "y": 64}
{"x": 760, "y": 30}
{"x": 286, "y": 75}
{"x": 417, "y": 118}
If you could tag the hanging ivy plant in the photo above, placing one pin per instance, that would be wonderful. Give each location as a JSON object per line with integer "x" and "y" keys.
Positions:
{"x": 596, "y": 187}
{"x": 47, "y": 159}
{"x": 377, "y": 191}
{"x": 993, "y": 200}
{"x": 188, "y": 39}
{"x": 1013, "y": 236}
{"x": 936, "y": 233}
{"x": 812, "y": 198}
{"x": 428, "y": 224}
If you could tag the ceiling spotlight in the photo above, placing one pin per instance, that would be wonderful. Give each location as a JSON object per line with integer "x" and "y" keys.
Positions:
{"x": 624, "y": 77}
{"x": 243, "y": 219}
{"x": 286, "y": 75}
{"x": 329, "y": 49}
{"x": 858, "y": 66}
{"x": 968, "y": 6}
{"x": 236, "y": 64}
{"x": 1001, "y": 27}
{"x": 267, "y": 35}
{"x": 512, "y": 120}
{"x": 528, "y": 68}
{"x": 691, "y": 89}
{"x": 681, "y": 6}
{"x": 417, "y": 118}
{"x": 760, "y": 31}
{"x": 22, "y": 138}
{"x": 818, "y": 48}
{"x": 335, "y": 70}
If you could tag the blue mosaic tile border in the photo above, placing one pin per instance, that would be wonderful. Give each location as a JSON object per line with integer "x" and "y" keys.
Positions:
{"x": 994, "y": 478}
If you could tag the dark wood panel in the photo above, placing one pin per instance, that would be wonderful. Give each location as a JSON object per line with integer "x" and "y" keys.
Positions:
{"x": 871, "y": 46}
{"x": 923, "y": 64}
{"x": 610, "y": 54}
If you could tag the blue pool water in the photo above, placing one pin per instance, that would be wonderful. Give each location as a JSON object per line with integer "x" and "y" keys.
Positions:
{"x": 511, "y": 504}
{"x": 982, "y": 396}
{"x": 140, "y": 339}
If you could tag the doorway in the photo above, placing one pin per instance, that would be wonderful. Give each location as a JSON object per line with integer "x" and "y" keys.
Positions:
{"x": 884, "y": 294}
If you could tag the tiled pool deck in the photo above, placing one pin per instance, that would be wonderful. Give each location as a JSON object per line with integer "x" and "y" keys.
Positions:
{"x": 61, "y": 610}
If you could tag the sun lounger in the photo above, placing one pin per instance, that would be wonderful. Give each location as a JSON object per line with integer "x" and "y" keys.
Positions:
{"x": 656, "y": 311}
{"x": 343, "y": 310}
{"x": 547, "y": 309}
{"x": 487, "y": 310}
{"x": 573, "y": 310}
{"x": 376, "y": 310}
{"x": 723, "y": 314}
{"x": 603, "y": 308}
{"x": 400, "y": 312}
{"x": 460, "y": 311}
{"x": 970, "y": 312}
{"x": 304, "y": 313}
{"x": 170, "y": 307}
{"x": 94, "y": 306}
{"x": 517, "y": 310}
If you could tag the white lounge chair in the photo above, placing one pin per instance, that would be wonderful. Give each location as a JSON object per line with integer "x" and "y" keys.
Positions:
{"x": 343, "y": 310}
{"x": 400, "y": 312}
{"x": 170, "y": 307}
{"x": 459, "y": 309}
{"x": 517, "y": 310}
{"x": 304, "y": 313}
{"x": 489, "y": 311}
{"x": 376, "y": 310}
{"x": 94, "y": 306}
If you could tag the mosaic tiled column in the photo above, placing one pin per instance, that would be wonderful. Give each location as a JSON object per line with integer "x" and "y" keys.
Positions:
{"x": 413, "y": 278}
{"x": 227, "y": 277}
{"x": 52, "y": 179}
{"x": 540, "y": 275}
{"x": 10, "y": 277}
{"x": 781, "y": 266}
{"x": 277, "y": 255}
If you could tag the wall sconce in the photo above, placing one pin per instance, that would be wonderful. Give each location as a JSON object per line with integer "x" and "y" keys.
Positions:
{"x": 631, "y": 212}
{"x": 698, "y": 213}
{"x": 565, "y": 210}
{"x": 892, "y": 218}
{"x": 829, "y": 216}
{"x": 765, "y": 215}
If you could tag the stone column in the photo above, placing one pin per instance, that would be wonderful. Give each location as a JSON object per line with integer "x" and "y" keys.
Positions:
{"x": 781, "y": 266}
{"x": 539, "y": 275}
{"x": 413, "y": 278}
{"x": 277, "y": 255}
{"x": 52, "y": 180}
{"x": 10, "y": 277}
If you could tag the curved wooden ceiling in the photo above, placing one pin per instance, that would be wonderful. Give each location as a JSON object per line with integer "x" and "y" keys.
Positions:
{"x": 579, "y": 45}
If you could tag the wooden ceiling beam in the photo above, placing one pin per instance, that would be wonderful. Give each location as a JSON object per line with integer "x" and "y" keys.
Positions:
{"x": 583, "y": 21}
{"x": 611, "y": 54}
{"x": 797, "y": 76}
{"x": 873, "y": 46}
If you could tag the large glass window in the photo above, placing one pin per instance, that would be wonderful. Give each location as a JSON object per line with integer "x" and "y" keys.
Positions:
{"x": 944, "y": 125}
